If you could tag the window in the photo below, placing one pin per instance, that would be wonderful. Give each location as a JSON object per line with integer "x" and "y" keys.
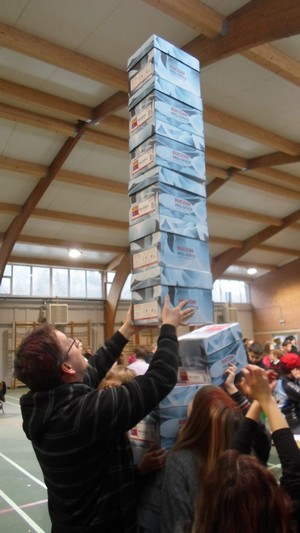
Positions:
{"x": 47, "y": 282}
{"x": 93, "y": 284}
{"x": 231, "y": 291}
{"x": 126, "y": 292}
{"x": 60, "y": 282}
{"x": 5, "y": 285}
{"x": 110, "y": 276}
{"x": 21, "y": 280}
{"x": 40, "y": 281}
{"x": 77, "y": 284}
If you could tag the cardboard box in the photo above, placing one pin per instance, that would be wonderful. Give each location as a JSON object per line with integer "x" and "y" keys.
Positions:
{"x": 169, "y": 250}
{"x": 160, "y": 65}
{"x": 158, "y": 113}
{"x": 213, "y": 347}
{"x": 169, "y": 177}
{"x": 171, "y": 413}
{"x": 174, "y": 277}
{"x": 161, "y": 426}
{"x": 147, "y": 304}
{"x": 193, "y": 375}
{"x": 164, "y": 208}
{"x": 144, "y": 434}
{"x": 164, "y": 152}
{"x": 161, "y": 44}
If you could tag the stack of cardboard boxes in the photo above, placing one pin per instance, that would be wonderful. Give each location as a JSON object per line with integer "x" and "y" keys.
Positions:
{"x": 167, "y": 222}
{"x": 169, "y": 237}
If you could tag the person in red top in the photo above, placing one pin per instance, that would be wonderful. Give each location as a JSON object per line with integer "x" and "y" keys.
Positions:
{"x": 290, "y": 379}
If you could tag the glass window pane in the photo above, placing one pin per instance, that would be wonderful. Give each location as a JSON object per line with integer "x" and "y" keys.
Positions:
{"x": 40, "y": 281}
{"x": 60, "y": 282}
{"x": 7, "y": 270}
{"x": 94, "y": 284}
{"x": 77, "y": 284}
{"x": 126, "y": 292}
{"x": 5, "y": 286}
{"x": 231, "y": 291}
{"x": 109, "y": 280}
{"x": 21, "y": 280}
{"x": 216, "y": 292}
{"x": 110, "y": 277}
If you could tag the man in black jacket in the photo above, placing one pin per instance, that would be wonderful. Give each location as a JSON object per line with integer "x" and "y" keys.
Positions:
{"x": 79, "y": 433}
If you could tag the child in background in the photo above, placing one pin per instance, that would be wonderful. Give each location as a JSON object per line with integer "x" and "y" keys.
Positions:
{"x": 255, "y": 354}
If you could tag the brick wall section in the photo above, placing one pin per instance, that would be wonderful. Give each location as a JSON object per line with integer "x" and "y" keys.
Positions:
{"x": 276, "y": 297}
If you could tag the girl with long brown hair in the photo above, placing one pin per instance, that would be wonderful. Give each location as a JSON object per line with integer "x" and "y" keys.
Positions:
{"x": 239, "y": 493}
{"x": 207, "y": 433}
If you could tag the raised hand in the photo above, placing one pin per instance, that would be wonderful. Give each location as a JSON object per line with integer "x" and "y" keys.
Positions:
{"x": 175, "y": 315}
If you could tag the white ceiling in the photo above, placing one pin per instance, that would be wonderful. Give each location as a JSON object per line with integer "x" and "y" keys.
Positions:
{"x": 77, "y": 51}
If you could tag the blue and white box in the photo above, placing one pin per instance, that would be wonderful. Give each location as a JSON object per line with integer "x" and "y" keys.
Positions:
{"x": 169, "y": 259}
{"x": 175, "y": 277}
{"x": 173, "y": 412}
{"x": 161, "y": 44}
{"x": 170, "y": 417}
{"x": 169, "y": 177}
{"x": 164, "y": 152}
{"x": 162, "y": 66}
{"x": 158, "y": 113}
{"x": 213, "y": 347}
{"x": 145, "y": 434}
{"x": 163, "y": 208}
{"x": 162, "y": 425}
{"x": 169, "y": 250}
{"x": 147, "y": 304}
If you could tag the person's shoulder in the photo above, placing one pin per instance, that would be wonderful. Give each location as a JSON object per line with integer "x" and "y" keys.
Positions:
{"x": 185, "y": 457}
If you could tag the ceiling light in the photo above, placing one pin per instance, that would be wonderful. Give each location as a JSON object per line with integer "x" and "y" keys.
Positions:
{"x": 251, "y": 271}
{"x": 74, "y": 253}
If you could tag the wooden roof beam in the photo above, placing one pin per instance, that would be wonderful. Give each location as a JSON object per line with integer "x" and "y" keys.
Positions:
{"x": 246, "y": 129}
{"x": 243, "y": 214}
{"x": 33, "y": 260}
{"x": 73, "y": 218}
{"x": 256, "y": 23}
{"x": 272, "y": 160}
{"x": 26, "y": 210}
{"x": 43, "y": 50}
{"x": 193, "y": 13}
{"x": 60, "y": 126}
{"x": 16, "y": 94}
{"x": 62, "y": 243}
{"x": 272, "y": 59}
{"x": 224, "y": 260}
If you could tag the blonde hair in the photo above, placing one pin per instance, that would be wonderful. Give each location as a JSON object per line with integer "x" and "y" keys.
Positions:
{"x": 117, "y": 375}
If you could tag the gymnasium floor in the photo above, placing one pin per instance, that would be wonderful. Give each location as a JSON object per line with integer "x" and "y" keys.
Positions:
{"x": 23, "y": 495}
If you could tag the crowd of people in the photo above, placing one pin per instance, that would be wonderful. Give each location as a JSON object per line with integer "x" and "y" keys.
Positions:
{"x": 283, "y": 359}
{"x": 79, "y": 410}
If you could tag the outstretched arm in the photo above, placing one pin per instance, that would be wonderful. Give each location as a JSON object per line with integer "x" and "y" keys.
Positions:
{"x": 258, "y": 383}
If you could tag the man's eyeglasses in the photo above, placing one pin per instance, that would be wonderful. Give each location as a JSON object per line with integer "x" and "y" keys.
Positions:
{"x": 72, "y": 342}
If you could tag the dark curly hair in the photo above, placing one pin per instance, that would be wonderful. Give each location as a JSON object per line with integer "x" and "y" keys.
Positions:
{"x": 38, "y": 359}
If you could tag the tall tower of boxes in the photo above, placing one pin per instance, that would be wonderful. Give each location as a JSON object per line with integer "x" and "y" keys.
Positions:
{"x": 168, "y": 222}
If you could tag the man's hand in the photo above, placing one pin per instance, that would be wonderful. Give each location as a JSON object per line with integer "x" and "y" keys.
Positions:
{"x": 127, "y": 329}
{"x": 154, "y": 459}
{"x": 175, "y": 315}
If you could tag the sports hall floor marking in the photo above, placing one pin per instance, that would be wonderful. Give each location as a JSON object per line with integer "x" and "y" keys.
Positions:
{"x": 31, "y": 504}
{"x": 18, "y": 510}
{"x": 23, "y": 470}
